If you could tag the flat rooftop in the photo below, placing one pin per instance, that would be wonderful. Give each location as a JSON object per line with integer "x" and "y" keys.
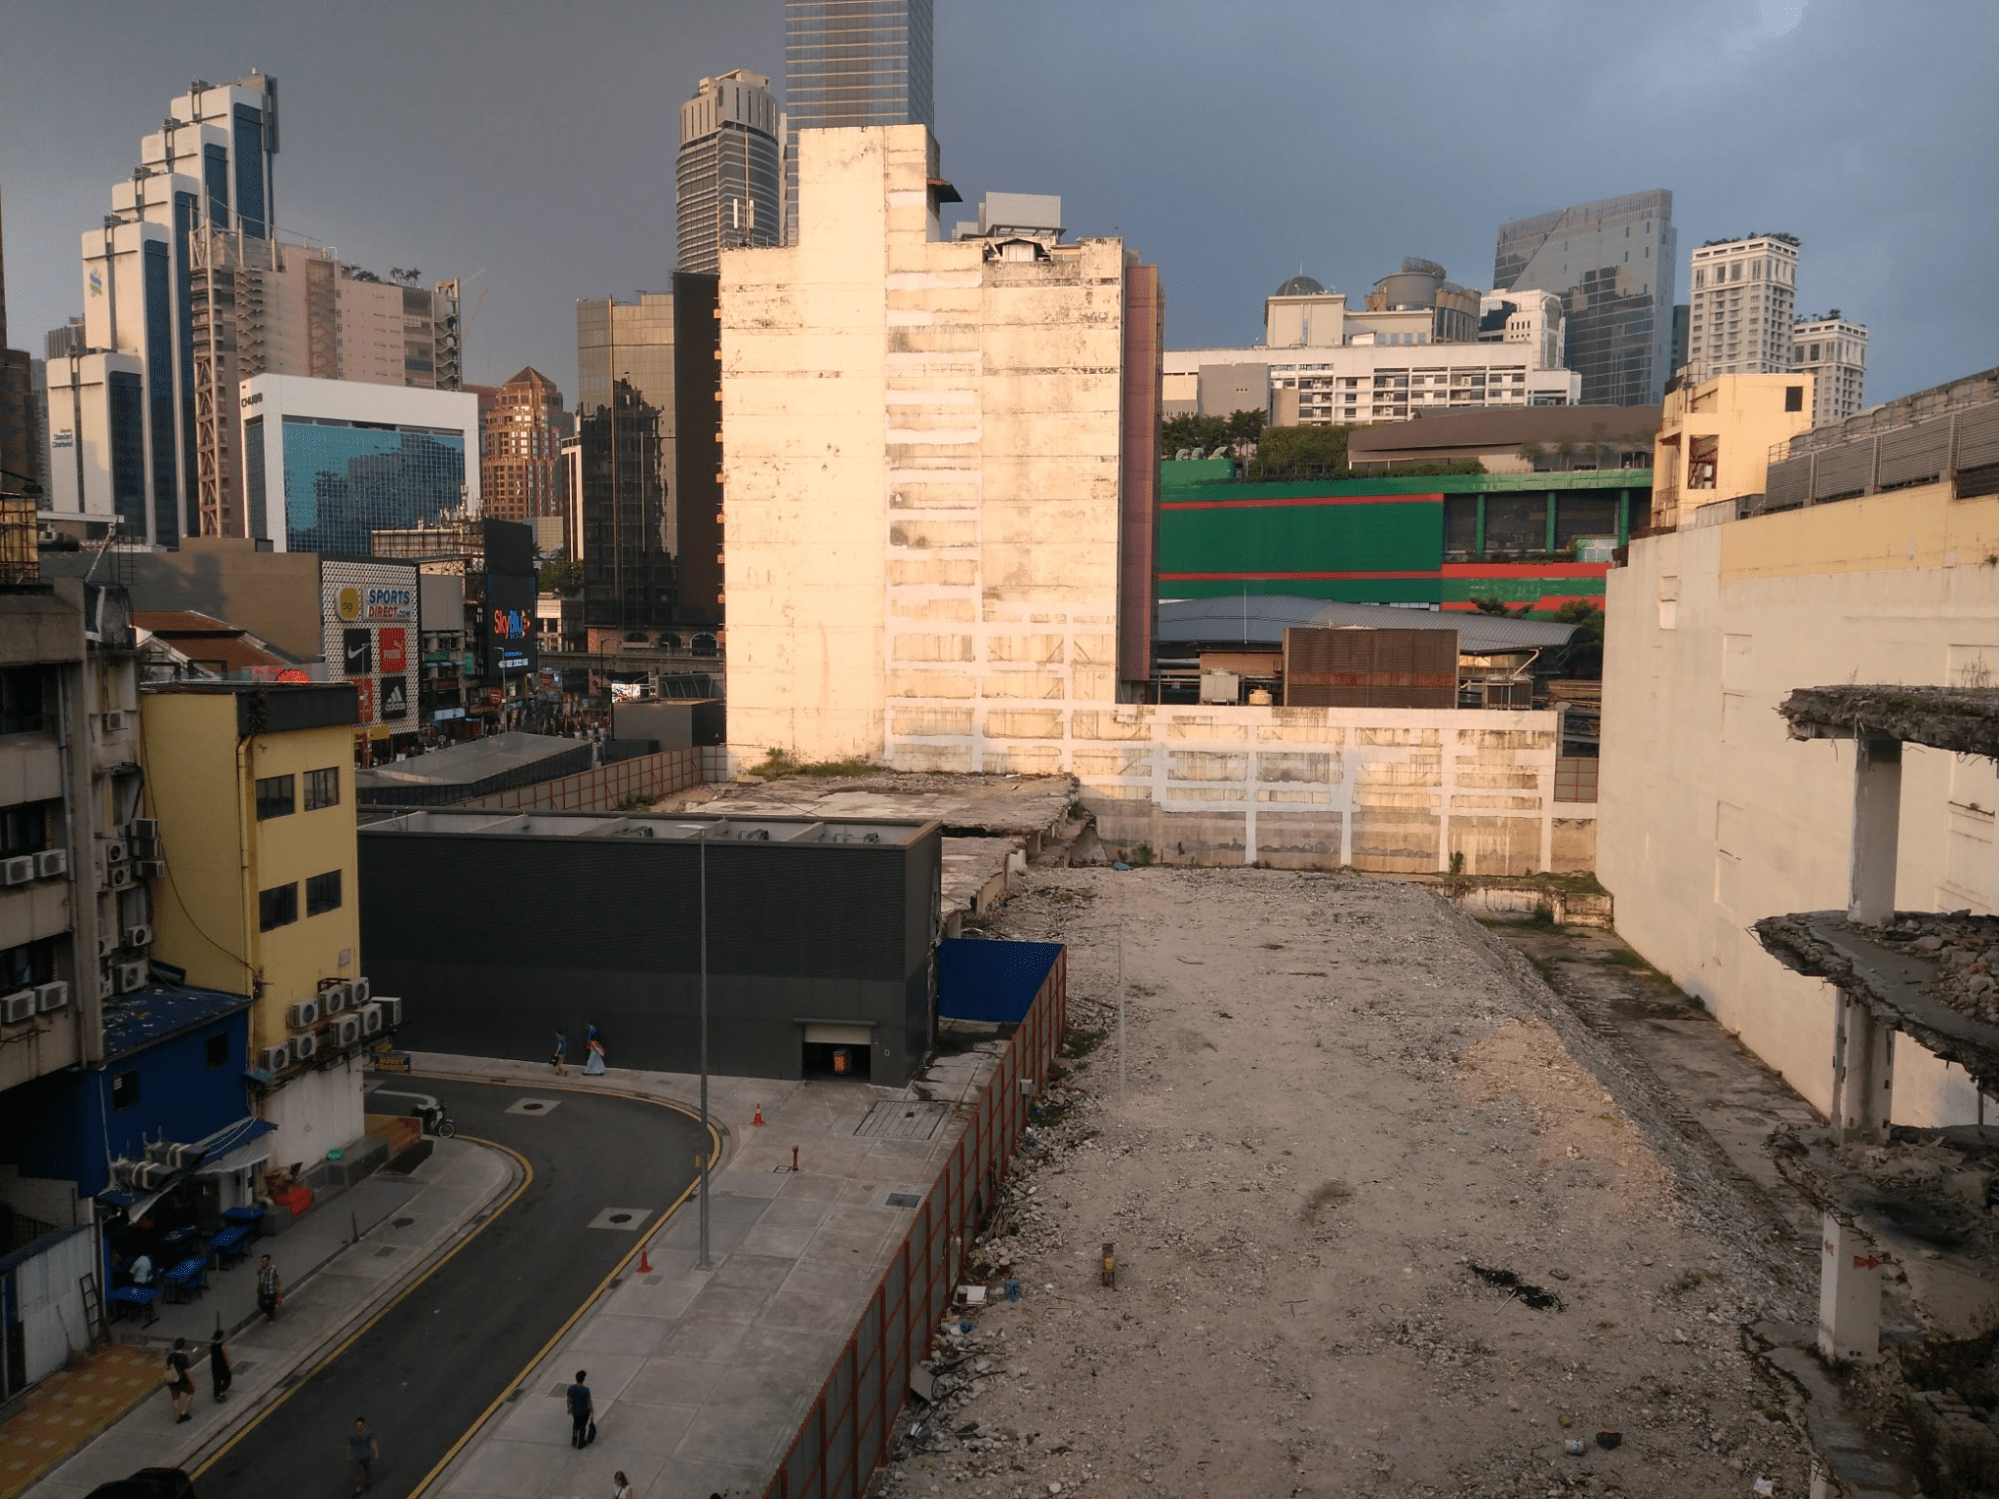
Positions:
{"x": 1261, "y": 619}
{"x": 692, "y": 827}
{"x": 1027, "y": 806}
{"x": 475, "y": 762}
{"x": 1964, "y": 720}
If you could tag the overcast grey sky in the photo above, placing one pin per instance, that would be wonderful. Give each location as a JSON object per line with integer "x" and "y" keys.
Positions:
{"x": 1231, "y": 143}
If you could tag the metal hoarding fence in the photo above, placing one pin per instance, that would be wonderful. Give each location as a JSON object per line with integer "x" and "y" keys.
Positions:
{"x": 845, "y": 1433}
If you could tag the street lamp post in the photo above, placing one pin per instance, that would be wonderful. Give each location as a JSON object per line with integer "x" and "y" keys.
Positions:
{"x": 707, "y": 1138}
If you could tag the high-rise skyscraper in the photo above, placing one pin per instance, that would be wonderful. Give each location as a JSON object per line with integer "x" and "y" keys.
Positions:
{"x": 20, "y": 463}
{"x": 1611, "y": 263}
{"x": 728, "y": 184}
{"x": 1744, "y": 291}
{"x": 1833, "y": 351}
{"x": 520, "y": 465}
{"x": 644, "y": 494}
{"x": 189, "y": 289}
{"x": 853, "y": 62}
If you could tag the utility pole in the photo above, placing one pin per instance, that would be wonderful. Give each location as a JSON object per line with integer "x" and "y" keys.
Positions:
{"x": 707, "y": 1138}
{"x": 1120, "y": 1009}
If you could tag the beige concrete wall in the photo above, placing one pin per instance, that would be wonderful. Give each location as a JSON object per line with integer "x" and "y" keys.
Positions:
{"x": 1745, "y": 415}
{"x": 1711, "y": 817}
{"x": 1393, "y": 790}
{"x": 921, "y": 458}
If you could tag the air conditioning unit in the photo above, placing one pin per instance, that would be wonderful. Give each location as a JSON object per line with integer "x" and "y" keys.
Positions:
{"x": 107, "y": 984}
{"x": 360, "y": 990}
{"x": 371, "y": 1020}
{"x": 52, "y": 862}
{"x": 52, "y": 996}
{"x": 392, "y": 1012}
{"x": 149, "y": 869}
{"x": 118, "y": 877}
{"x": 334, "y": 999}
{"x": 19, "y": 870}
{"x": 114, "y": 720}
{"x": 115, "y": 851}
{"x": 149, "y": 1176}
{"x": 17, "y": 1007}
{"x": 346, "y": 1030}
{"x": 131, "y": 977}
{"x": 304, "y": 1045}
{"x": 275, "y": 1059}
{"x": 138, "y": 936}
{"x": 142, "y": 848}
{"x": 303, "y": 1015}
{"x": 107, "y": 944}
{"x": 143, "y": 828}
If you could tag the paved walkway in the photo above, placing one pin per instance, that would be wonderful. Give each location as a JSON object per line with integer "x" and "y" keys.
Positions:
{"x": 701, "y": 1378}
{"x": 70, "y": 1408}
{"x": 334, "y": 1287}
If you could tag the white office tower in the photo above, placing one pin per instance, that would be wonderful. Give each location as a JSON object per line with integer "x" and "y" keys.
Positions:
{"x": 1833, "y": 350}
{"x": 1743, "y": 293}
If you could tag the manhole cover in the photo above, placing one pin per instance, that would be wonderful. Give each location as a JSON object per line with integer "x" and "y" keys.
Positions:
{"x": 621, "y": 1218}
{"x": 402, "y": 1223}
{"x": 386, "y": 1251}
{"x": 903, "y": 1120}
{"x": 533, "y": 1106}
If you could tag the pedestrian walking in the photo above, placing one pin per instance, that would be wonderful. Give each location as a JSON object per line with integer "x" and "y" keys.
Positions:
{"x": 560, "y": 1061}
{"x": 581, "y": 1409}
{"x": 180, "y": 1383}
{"x": 221, "y": 1369}
{"x": 270, "y": 1291}
{"x": 594, "y": 1064}
{"x": 362, "y": 1452}
{"x": 621, "y": 1487}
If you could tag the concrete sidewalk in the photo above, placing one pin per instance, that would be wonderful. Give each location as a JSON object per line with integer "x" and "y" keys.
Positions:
{"x": 701, "y": 1378}
{"x": 333, "y": 1286}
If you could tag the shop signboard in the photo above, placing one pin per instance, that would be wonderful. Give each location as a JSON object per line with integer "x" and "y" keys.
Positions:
{"x": 370, "y": 612}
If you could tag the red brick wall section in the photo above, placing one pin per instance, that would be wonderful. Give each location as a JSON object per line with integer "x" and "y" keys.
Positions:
{"x": 845, "y": 1434}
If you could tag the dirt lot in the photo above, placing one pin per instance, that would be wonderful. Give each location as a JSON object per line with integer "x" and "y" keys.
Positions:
{"x": 1342, "y": 1099}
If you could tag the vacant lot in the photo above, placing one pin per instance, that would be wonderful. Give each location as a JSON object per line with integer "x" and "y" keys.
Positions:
{"x": 1377, "y": 1229}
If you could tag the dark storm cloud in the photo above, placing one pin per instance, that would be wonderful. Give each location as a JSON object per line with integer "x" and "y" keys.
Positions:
{"x": 1232, "y": 143}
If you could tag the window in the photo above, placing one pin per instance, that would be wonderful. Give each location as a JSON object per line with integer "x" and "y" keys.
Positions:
{"x": 322, "y": 893}
{"x": 322, "y": 788}
{"x": 21, "y": 700}
{"x": 277, "y": 907}
{"x": 218, "y": 1050}
{"x": 1794, "y": 398}
{"x": 125, "y": 1089}
{"x": 275, "y": 798}
{"x": 25, "y": 829}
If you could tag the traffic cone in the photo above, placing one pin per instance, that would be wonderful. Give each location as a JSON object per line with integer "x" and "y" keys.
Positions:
{"x": 760, "y": 1116}
{"x": 645, "y": 1259}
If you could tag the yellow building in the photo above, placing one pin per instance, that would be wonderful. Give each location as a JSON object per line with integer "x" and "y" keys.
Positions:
{"x": 1715, "y": 439}
{"x": 253, "y": 788}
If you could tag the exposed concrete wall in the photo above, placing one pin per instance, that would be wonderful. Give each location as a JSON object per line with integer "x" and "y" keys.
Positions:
{"x": 1711, "y": 817}
{"x": 1394, "y": 790}
{"x": 922, "y": 476}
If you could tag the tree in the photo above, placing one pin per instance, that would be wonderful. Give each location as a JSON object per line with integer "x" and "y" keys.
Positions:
{"x": 1245, "y": 427}
{"x": 1294, "y": 447}
{"x": 1237, "y": 431}
{"x": 559, "y": 574}
{"x": 1533, "y": 452}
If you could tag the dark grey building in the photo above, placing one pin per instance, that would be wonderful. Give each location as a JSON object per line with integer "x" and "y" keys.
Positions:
{"x": 497, "y": 930}
{"x": 1612, "y": 263}
{"x": 853, "y": 62}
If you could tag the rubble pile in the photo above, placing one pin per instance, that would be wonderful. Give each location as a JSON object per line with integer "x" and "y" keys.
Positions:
{"x": 1965, "y": 949}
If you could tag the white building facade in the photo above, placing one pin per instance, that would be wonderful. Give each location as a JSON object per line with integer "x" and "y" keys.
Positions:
{"x": 1742, "y": 297}
{"x": 1833, "y": 350}
{"x": 326, "y": 463}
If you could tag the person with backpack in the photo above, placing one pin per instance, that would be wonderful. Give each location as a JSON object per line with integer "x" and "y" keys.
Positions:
{"x": 180, "y": 1383}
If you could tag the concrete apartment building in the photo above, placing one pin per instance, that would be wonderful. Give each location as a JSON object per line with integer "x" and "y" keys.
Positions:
{"x": 1323, "y": 362}
{"x": 729, "y": 174}
{"x": 1833, "y": 351}
{"x": 1860, "y": 555}
{"x": 1743, "y": 294}
{"x": 521, "y": 473}
{"x": 1715, "y": 438}
{"x": 1612, "y": 264}
{"x": 940, "y": 479}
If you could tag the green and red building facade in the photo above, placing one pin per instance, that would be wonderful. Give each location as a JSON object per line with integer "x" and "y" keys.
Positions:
{"x": 1432, "y": 539}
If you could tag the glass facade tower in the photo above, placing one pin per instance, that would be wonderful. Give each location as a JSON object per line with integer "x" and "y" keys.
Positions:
{"x": 853, "y": 62}
{"x": 622, "y": 529}
{"x": 727, "y": 178}
{"x": 1611, "y": 263}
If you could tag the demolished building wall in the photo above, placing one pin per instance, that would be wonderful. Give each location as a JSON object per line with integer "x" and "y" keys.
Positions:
{"x": 1711, "y": 817}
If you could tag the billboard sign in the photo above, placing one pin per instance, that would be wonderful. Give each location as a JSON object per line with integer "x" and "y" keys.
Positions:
{"x": 369, "y": 615}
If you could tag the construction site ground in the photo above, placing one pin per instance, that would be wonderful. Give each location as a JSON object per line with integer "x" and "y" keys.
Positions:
{"x": 1389, "y": 1217}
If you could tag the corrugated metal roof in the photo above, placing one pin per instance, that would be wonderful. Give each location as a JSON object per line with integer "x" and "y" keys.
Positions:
{"x": 1260, "y": 619}
{"x": 1501, "y": 426}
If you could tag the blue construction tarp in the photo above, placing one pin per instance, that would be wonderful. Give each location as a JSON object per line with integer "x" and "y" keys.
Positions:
{"x": 983, "y": 980}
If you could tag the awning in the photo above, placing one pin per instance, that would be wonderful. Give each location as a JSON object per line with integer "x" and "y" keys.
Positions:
{"x": 255, "y": 1149}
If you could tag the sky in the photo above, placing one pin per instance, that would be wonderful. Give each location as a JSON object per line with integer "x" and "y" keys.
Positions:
{"x": 528, "y": 148}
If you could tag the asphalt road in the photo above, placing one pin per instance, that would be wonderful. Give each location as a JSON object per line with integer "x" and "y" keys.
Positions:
{"x": 425, "y": 1372}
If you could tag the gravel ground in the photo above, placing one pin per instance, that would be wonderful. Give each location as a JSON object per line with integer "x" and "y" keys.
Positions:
{"x": 1378, "y": 1229}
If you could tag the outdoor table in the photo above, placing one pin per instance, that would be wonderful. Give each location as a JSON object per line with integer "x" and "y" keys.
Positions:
{"x": 232, "y": 1243}
{"x": 190, "y": 1275}
{"x": 128, "y": 1300}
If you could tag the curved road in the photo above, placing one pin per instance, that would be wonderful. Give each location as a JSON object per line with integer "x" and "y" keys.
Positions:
{"x": 425, "y": 1372}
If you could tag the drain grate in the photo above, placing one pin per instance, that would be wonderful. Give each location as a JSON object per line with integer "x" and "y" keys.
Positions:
{"x": 903, "y": 1120}
{"x": 904, "y": 1200}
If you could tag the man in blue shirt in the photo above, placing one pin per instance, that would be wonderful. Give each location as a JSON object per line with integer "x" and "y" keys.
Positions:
{"x": 580, "y": 1411}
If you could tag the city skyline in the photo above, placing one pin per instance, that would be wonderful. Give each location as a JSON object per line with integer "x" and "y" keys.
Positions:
{"x": 415, "y": 176}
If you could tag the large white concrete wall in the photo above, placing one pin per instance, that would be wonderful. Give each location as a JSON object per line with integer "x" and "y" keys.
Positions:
{"x": 1711, "y": 817}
